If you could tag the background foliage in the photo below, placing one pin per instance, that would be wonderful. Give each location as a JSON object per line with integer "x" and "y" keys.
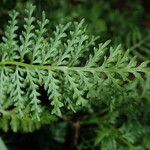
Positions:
{"x": 115, "y": 124}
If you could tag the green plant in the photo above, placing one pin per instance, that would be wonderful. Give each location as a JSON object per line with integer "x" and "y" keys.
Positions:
{"x": 138, "y": 43}
{"x": 73, "y": 74}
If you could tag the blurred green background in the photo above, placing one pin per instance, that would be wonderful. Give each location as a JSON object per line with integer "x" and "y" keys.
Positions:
{"x": 125, "y": 22}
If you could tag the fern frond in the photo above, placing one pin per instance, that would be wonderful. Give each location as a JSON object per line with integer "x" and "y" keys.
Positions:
{"x": 27, "y": 36}
{"x": 18, "y": 94}
{"x": 139, "y": 43}
{"x": 10, "y": 44}
{"x": 52, "y": 86}
{"x": 66, "y": 65}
